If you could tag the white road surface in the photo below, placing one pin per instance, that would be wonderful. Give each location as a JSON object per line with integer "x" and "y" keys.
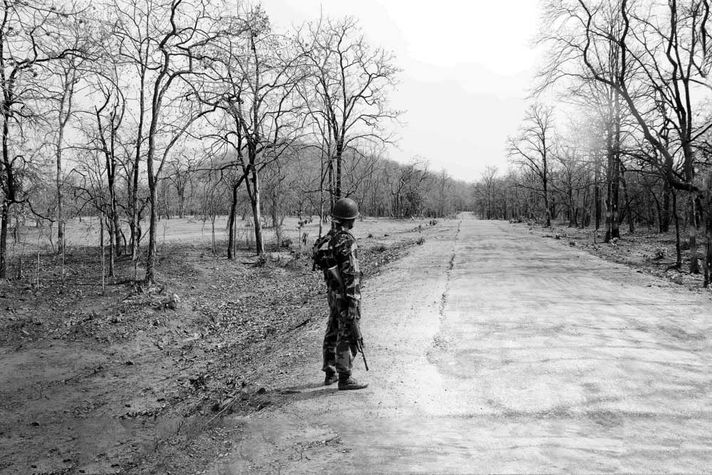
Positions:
{"x": 494, "y": 350}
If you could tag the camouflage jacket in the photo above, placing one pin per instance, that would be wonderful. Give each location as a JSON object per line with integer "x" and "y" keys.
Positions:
{"x": 345, "y": 252}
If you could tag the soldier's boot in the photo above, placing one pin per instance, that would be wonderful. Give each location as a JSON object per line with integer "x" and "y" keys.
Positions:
{"x": 330, "y": 378}
{"x": 350, "y": 383}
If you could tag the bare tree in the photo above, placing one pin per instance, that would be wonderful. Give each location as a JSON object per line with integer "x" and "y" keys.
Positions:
{"x": 31, "y": 38}
{"x": 180, "y": 173}
{"x": 408, "y": 185}
{"x": 68, "y": 77}
{"x": 663, "y": 63}
{"x": 533, "y": 147}
{"x": 255, "y": 73}
{"x": 109, "y": 116}
{"x": 351, "y": 81}
{"x": 159, "y": 40}
{"x": 489, "y": 182}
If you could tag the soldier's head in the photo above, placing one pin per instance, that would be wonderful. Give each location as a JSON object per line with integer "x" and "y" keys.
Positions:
{"x": 345, "y": 212}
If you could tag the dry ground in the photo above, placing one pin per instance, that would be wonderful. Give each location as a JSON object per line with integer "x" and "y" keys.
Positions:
{"x": 137, "y": 380}
{"x": 648, "y": 252}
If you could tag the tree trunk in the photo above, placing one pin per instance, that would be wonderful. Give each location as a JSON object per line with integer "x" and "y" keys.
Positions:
{"x": 338, "y": 157}
{"x": 134, "y": 226}
{"x": 253, "y": 191}
{"x": 331, "y": 184}
{"x": 63, "y": 120}
{"x": 231, "y": 223}
{"x": 257, "y": 212}
{"x": 665, "y": 211}
{"x": 112, "y": 235}
{"x": 8, "y": 191}
{"x": 102, "y": 252}
{"x": 180, "y": 190}
{"x": 658, "y": 210}
{"x": 60, "y": 214}
{"x": 597, "y": 196}
{"x": 116, "y": 226}
{"x": 4, "y": 218}
{"x": 321, "y": 194}
{"x": 628, "y": 211}
{"x": 676, "y": 218}
{"x": 612, "y": 228}
{"x": 545, "y": 184}
{"x": 151, "y": 254}
{"x": 152, "y": 197}
{"x": 546, "y": 205}
{"x": 707, "y": 212}
{"x": 212, "y": 232}
{"x": 615, "y": 185}
{"x": 572, "y": 208}
{"x": 692, "y": 229}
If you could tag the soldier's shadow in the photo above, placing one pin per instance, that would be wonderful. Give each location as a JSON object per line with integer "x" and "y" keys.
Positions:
{"x": 307, "y": 391}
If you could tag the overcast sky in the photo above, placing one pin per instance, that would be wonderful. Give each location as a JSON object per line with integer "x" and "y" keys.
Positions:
{"x": 467, "y": 68}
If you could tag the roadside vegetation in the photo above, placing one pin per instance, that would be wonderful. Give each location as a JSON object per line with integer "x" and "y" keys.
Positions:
{"x": 132, "y": 112}
{"x": 623, "y": 159}
{"x": 121, "y": 378}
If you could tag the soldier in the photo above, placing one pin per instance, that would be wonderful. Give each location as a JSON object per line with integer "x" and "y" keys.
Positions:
{"x": 344, "y": 295}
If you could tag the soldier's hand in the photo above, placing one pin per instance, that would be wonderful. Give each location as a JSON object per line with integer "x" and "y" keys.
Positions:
{"x": 356, "y": 330}
{"x": 354, "y": 313}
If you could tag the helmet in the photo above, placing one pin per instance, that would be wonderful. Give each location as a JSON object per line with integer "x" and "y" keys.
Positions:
{"x": 345, "y": 208}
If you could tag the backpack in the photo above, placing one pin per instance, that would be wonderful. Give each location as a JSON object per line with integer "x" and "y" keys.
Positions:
{"x": 323, "y": 253}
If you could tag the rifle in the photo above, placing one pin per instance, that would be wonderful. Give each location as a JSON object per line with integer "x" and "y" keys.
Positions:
{"x": 359, "y": 344}
{"x": 334, "y": 273}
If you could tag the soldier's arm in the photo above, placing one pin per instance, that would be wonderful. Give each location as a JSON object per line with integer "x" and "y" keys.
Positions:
{"x": 347, "y": 260}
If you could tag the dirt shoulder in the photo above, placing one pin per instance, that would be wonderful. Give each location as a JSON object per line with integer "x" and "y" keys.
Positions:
{"x": 648, "y": 252}
{"x": 137, "y": 380}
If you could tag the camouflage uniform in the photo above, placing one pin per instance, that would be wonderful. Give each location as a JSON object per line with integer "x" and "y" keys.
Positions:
{"x": 339, "y": 348}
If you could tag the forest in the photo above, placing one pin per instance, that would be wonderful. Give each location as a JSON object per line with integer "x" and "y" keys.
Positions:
{"x": 166, "y": 165}
{"x": 136, "y": 111}
{"x": 617, "y": 133}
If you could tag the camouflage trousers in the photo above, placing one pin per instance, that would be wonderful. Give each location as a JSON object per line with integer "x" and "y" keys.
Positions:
{"x": 339, "y": 349}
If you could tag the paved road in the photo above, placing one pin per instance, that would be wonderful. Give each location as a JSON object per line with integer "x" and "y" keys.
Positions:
{"x": 493, "y": 350}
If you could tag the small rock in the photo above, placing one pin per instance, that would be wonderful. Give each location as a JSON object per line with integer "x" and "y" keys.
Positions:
{"x": 173, "y": 302}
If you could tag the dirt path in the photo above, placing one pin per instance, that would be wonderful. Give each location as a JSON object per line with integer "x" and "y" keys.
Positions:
{"x": 493, "y": 350}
